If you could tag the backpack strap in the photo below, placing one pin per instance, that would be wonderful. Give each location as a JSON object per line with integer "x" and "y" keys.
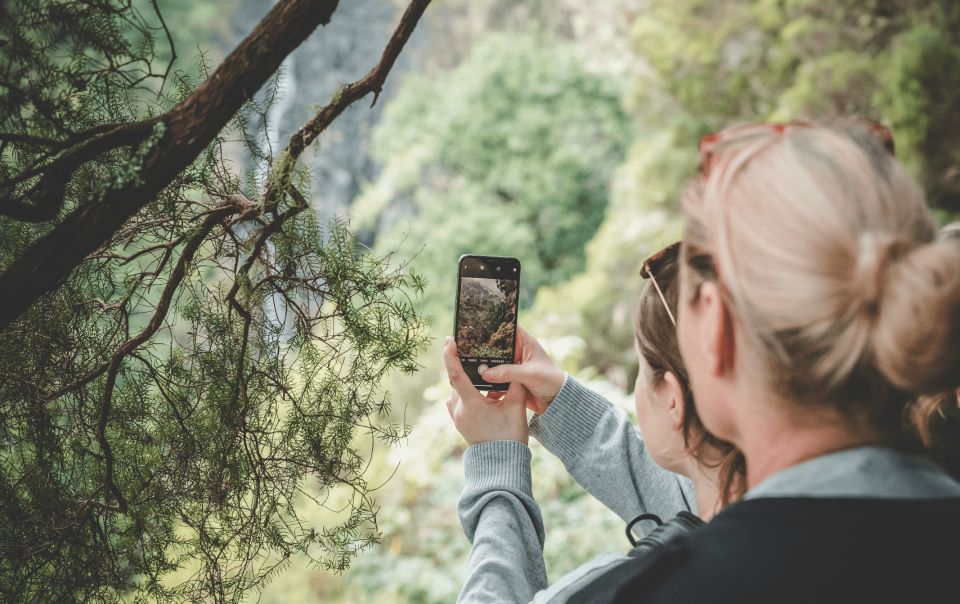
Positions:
{"x": 633, "y": 540}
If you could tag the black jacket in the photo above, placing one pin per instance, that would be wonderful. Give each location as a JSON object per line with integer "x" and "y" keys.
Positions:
{"x": 802, "y": 550}
{"x": 809, "y": 550}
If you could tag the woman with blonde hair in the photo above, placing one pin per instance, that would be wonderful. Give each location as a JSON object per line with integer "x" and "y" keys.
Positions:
{"x": 815, "y": 305}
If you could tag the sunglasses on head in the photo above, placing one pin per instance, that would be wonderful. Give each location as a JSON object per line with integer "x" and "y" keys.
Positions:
{"x": 652, "y": 265}
{"x": 713, "y": 145}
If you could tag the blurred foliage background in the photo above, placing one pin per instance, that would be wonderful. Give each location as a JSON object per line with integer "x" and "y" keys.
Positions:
{"x": 561, "y": 132}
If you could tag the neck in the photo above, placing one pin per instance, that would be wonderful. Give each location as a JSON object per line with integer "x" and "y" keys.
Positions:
{"x": 704, "y": 480}
{"x": 773, "y": 445}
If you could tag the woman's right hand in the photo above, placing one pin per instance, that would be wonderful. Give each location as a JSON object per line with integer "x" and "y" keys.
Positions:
{"x": 533, "y": 369}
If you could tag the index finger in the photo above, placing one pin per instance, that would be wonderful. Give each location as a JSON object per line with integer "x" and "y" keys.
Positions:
{"x": 523, "y": 341}
{"x": 458, "y": 377}
{"x": 518, "y": 344}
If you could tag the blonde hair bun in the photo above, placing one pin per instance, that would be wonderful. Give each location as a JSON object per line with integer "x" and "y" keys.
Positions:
{"x": 877, "y": 252}
{"x": 917, "y": 337}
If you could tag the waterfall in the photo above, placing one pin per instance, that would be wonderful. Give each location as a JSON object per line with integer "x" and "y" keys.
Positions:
{"x": 283, "y": 101}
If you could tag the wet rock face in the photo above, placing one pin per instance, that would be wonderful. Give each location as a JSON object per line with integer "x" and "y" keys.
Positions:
{"x": 502, "y": 338}
{"x": 486, "y": 315}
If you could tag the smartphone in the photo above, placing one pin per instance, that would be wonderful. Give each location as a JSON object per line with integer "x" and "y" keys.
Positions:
{"x": 485, "y": 325}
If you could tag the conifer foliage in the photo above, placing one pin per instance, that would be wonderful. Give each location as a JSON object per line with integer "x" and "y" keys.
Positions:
{"x": 186, "y": 355}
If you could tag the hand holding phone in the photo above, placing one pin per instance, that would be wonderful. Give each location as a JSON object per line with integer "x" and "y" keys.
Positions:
{"x": 485, "y": 325}
{"x": 481, "y": 418}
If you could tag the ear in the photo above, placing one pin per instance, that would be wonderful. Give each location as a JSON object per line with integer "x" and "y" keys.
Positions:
{"x": 717, "y": 333}
{"x": 676, "y": 409}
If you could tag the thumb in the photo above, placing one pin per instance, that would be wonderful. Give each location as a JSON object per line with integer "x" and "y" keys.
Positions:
{"x": 506, "y": 373}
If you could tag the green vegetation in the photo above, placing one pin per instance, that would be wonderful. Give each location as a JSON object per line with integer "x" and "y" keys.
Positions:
{"x": 896, "y": 62}
{"x": 509, "y": 154}
{"x": 245, "y": 432}
{"x": 210, "y": 369}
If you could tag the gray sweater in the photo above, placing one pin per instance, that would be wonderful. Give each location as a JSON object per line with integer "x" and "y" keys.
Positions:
{"x": 603, "y": 452}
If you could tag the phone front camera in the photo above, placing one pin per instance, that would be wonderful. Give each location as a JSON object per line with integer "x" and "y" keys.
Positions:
{"x": 498, "y": 269}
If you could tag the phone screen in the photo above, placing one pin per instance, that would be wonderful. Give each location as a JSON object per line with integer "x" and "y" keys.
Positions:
{"x": 486, "y": 319}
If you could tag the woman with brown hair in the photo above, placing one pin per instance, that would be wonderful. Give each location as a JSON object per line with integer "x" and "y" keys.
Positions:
{"x": 663, "y": 394}
{"x": 602, "y": 451}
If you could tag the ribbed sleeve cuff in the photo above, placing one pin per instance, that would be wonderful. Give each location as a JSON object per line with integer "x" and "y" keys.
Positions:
{"x": 497, "y": 465}
{"x": 570, "y": 420}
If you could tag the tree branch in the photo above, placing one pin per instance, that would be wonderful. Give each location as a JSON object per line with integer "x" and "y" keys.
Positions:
{"x": 235, "y": 204}
{"x": 189, "y": 128}
{"x": 346, "y": 96}
{"x": 163, "y": 305}
{"x": 48, "y": 193}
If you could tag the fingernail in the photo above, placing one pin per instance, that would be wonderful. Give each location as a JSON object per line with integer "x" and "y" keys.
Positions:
{"x": 446, "y": 340}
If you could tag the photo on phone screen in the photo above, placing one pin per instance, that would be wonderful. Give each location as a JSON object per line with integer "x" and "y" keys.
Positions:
{"x": 486, "y": 319}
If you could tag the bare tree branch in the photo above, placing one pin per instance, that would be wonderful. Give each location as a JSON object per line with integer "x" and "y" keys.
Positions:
{"x": 346, "y": 96}
{"x": 179, "y": 271}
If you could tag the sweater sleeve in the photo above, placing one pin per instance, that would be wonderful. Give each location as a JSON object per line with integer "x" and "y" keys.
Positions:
{"x": 606, "y": 455}
{"x": 501, "y": 519}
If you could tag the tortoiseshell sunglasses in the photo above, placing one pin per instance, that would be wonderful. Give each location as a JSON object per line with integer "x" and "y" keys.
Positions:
{"x": 652, "y": 265}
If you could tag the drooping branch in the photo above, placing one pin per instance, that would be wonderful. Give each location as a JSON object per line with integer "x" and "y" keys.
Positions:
{"x": 237, "y": 206}
{"x": 173, "y": 283}
{"x": 186, "y": 130}
{"x": 345, "y": 96}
